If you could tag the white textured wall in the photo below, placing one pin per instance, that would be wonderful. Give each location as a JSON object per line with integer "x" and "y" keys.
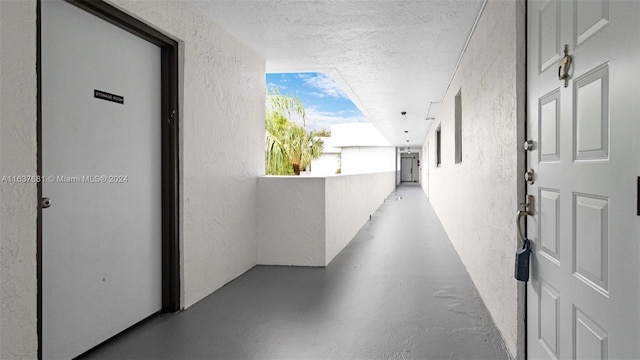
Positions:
{"x": 477, "y": 200}
{"x": 222, "y": 110}
{"x": 18, "y": 283}
{"x": 291, "y": 218}
{"x": 307, "y": 221}
{"x": 357, "y": 134}
{"x": 327, "y": 164}
{"x": 350, "y": 200}
{"x": 363, "y": 160}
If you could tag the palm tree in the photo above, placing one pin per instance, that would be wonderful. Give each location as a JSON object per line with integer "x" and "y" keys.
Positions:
{"x": 276, "y": 157}
{"x": 289, "y": 147}
{"x": 313, "y": 150}
{"x": 301, "y": 146}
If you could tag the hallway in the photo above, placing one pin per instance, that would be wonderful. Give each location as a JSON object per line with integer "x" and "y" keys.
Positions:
{"x": 397, "y": 291}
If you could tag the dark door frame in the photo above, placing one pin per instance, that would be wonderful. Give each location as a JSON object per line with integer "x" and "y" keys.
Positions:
{"x": 170, "y": 163}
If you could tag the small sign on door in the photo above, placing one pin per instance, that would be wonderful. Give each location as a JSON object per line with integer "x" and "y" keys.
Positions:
{"x": 107, "y": 96}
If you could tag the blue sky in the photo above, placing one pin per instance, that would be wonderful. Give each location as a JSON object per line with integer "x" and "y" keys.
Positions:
{"x": 324, "y": 101}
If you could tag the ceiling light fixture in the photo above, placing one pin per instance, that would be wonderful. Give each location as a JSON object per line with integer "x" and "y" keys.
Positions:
{"x": 404, "y": 115}
{"x": 406, "y": 131}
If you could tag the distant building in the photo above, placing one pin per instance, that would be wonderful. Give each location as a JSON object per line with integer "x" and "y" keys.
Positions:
{"x": 354, "y": 148}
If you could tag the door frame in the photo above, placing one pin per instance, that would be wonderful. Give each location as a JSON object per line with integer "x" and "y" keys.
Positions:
{"x": 522, "y": 114}
{"x": 169, "y": 152}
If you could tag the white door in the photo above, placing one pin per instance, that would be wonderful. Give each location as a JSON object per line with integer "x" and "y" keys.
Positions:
{"x": 101, "y": 236}
{"x": 584, "y": 291}
{"x": 406, "y": 169}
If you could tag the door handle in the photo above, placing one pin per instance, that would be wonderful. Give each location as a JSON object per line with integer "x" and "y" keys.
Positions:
{"x": 521, "y": 214}
{"x": 45, "y": 202}
{"x": 528, "y": 210}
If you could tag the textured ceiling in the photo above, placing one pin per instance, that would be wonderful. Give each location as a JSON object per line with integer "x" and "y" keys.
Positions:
{"x": 388, "y": 56}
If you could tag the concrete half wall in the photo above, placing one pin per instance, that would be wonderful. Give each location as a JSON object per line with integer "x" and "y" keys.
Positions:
{"x": 476, "y": 200}
{"x": 222, "y": 110}
{"x": 307, "y": 221}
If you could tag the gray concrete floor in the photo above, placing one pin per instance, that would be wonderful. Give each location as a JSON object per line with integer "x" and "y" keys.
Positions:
{"x": 397, "y": 291}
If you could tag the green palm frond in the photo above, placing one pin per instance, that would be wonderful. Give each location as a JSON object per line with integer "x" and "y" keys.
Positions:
{"x": 289, "y": 147}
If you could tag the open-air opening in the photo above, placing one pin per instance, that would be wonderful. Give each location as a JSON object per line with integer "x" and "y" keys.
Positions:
{"x": 313, "y": 128}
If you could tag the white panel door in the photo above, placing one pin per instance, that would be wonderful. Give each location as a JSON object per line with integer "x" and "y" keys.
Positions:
{"x": 101, "y": 163}
{"x": 584, "y": 292}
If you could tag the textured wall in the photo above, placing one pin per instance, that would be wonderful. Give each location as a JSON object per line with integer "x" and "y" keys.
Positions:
{"x": 307, "y": 221}
{"x": 477, "y": 200}
{"x": 222, "y": 113}
{"x": 350, "y": 201}
{"x": 18, "y": 284}
{"x": 222, "y": 99}
{"x": 291, "y": 217}
{"x": 363, "y": 160}
{"x": 325, "y": 165}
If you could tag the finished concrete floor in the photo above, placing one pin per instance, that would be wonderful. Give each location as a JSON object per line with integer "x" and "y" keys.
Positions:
{"x": 397, "y": 291}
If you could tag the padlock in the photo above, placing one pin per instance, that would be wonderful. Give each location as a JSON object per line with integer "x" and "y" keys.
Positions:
{"x": 522, "y": 261}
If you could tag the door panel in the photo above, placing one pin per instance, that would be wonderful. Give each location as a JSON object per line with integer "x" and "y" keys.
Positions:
{"x": 549, "y": 46}
{"x": 550, "y": 225}
{"x": 549, "y": 125}
{"x": 101, "y": 161}
{"x": 591, "y": 115}
{"x": 584, "y": 291}
{"x": 407, "y": 169}
{"x": 589, "y": 18}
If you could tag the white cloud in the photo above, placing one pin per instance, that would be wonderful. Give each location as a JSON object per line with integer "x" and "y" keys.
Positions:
{"x": 317, "y": 120}
{"x": 324, "y": 84}
{"x": 274, "y": 85}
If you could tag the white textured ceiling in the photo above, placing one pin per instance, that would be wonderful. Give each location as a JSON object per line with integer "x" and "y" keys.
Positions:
{"x": 388, "y": 56}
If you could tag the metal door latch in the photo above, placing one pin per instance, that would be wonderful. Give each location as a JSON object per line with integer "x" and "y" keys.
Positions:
{"x": 529, "y": 176}
{"x": 528, "y": 145}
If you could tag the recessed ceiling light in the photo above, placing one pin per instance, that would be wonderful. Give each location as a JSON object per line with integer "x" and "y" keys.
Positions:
{"x": 406, "y": 131}
{"x": 407, "y": 140}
